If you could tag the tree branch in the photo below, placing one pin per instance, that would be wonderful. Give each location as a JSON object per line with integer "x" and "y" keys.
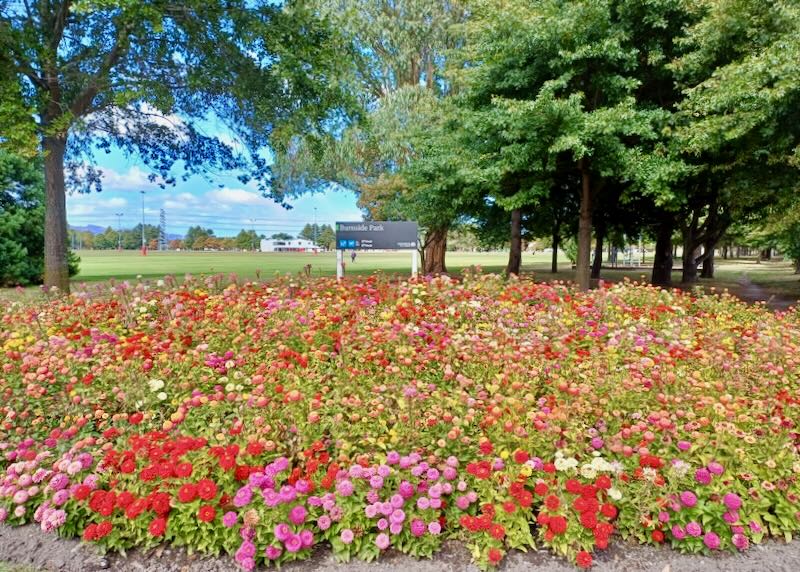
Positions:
{"x": 83, "y": 101}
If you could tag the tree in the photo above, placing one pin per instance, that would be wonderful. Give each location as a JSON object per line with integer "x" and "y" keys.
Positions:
{"x": 247, "y": 240}
{"x": 327, "y": 237}
{"x": 281, "y": 236}
{"x": 22, "y": 221}
{"x": 194, "y": 234}
{"x": 397, "y": 49}
{"x": 96, "y": 74}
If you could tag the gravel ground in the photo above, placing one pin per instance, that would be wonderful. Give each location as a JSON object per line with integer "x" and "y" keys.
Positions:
{"x": 29, "y": 546}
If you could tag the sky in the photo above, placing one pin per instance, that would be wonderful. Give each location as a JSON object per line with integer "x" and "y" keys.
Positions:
{"x": 222, "y": 203}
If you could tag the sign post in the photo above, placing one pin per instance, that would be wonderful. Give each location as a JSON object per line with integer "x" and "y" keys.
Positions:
{"x": 376, "y": 235}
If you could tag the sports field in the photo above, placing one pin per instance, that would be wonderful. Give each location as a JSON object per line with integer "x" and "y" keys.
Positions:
{"x": 103, "y": 265}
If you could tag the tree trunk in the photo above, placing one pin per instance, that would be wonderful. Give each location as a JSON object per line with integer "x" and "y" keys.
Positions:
{"x": 662, "y": 262}
{"x": 515, "y": 254}
{"x": 554, "y": 262}
{"x": 584, "y": 228}
{"x": 56, "y": 270}
{"x": 435, "y": 249}
{"x": 689, "y": 274}
{"x": 598, "y": 250}
{"x": 797, "y": 266}
{"x": 708, "y": 262}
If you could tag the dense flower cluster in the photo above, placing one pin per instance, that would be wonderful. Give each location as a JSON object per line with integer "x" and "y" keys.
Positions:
{"x": 260, "y": 420}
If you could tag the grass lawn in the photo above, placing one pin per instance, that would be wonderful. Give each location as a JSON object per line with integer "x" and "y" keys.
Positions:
{"x": 746, "y": 278}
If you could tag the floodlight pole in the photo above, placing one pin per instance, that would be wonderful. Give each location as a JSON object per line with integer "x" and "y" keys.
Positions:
{"x": 144, "y": 244}
{"x": 119, "y": 231}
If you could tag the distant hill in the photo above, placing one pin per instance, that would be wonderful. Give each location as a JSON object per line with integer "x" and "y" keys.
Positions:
{"x": 94, "y": 229}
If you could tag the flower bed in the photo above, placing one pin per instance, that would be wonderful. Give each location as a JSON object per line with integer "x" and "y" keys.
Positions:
{"x": 259, "y": 420}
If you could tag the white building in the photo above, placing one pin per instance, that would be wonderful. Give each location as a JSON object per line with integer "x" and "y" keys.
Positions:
{"x": 292, "y": 245}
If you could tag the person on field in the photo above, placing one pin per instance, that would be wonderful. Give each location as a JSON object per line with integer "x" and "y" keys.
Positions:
{"x": 353, "y": 256}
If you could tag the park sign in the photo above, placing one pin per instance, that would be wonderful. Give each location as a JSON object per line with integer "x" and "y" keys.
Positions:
{"x": 376, "y": 235}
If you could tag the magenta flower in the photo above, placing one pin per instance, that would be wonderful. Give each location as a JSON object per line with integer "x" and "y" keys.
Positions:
{"x": 702, "y": 476}
{"x": 417, "y": 527}
{"x": 376, "y": 481}
{"x": 273, "y": 552}
{"x": 715, "y": 468}
{"x": 678, "y": 532}
{"x": 382, "y": 541}
{"x": 307, "y": 538}
{"x": 324, "y": 522}
{"x": 711, "y": 540}
{"x": 406, "y": 490}
{"x": 740, "y": 541}
{"x": 694, "y": 529}
{"x": 282, "y": 531}
{"x": 229, "y": 519}
{"x": 731, "y": 517}
{"x": 732, "y": 501}
{"x": 344, "y": 488}
{"x": 688, "y": 498}
{"x": 298, "y": 514}
{"x": 294, "y": 543}
{"x": 392, "y": 458}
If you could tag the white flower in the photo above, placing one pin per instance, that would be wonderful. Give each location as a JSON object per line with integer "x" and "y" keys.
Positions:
{"x": 155, "y": 384}
{"x": 614, "y": 493}
{"x": 161, "y": 396}
{"x": 588, "y": 472}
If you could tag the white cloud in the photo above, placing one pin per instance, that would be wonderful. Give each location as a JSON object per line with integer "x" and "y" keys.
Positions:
{"x": 228, "y": 195}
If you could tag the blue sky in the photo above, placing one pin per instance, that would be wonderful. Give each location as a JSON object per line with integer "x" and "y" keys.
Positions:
{"x": 222, "y": 203}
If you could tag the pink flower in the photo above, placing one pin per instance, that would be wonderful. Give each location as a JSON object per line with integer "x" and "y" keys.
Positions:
{"x": 423, "y": 503}
{"x": 307, "y": 538}
{"x": 396, "y": 528}
{"x": 663, "y": 516}
{"x": 370, "y": 510}
{"x": 376, "y": 481}
{"x": 694, "y": 529}
{"x": 597, "y": 443}
{"x": 678, "y": 533}
{"x": 282, "y": 531}
{"x": 449, "y": 473}
{"x": 688, "y": 499}
{"x": 383, "y": 524}
{"x": 273, "y": 552}
{"x": 346, "y": 536}
{"x": 702, "y": 476}
{"x": 294, "y": 543}
{"x": 324, "y": 522}
{"x": 417, "y": 527}
{"x": 462, "y": 502}
{"x": 345, "y": 487}
{"x": 392, "y": 458}
{"x": 298, "y": 514}
{"x": 684, "y": 445}
{"x": 715, "y": 468}
{"x": 711, "y": 540}
{"x": 740, "y": 541}
{"x": 382, "y": 541}
{"x": 731, "y": 517}
{"x": 732, "y": 501}
{"x": 229, "y": 519}
{"x": 406, "y": 490}
{"x": 434, "y": 527}
{"x": 755, "y": 527}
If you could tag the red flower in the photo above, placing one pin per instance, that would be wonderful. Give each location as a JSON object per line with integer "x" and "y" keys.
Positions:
{"x": 573, "y": 486}
{"x": 521, "y": 457}
{"x": 82, "y": 492}
{"x": 486, "y": 447}
{"x": 583, "y": 559}
{"x": 549, "y": 468}
{"x": 552, "y": 502}
{"x": 497, "y": 531}
{"x": 588, "y": 520}
{"x": 183, "y": 470}
{"x": 207, "y": 513}
{"x": 158, "y": 526}
{"x": 589, "y": 491}
{"x": 103, "y": 529}
{"x": 509, "y": 507}
{"x": 96, "y": 502}
{"x": 135, "y": 418}
{"x": 557, "y": 524}
{"x": 495, "y": 556}
{"x": 608, "y": 510}
{"x": 187, "y": 493}
{"x": 525, "y": 499}
{"x": 254, "y": 448}
{"x": 658, "y": 536}
{"x": 543, "y": 519}
{"x": 603, "y": 482}
{"x": 125, "y": 499}
{"x": 541, "y": 489}
{"x": 242, "y": 472}
{"x": 136, "y": 508}
{"x": 160, "y": 503}
{"x": 90, "y": 532}
{"x": 227, "y": 462}
{"x": 148, "y": 473}
{"x": 128, "y": 466}
{"x": 206, "y": 489}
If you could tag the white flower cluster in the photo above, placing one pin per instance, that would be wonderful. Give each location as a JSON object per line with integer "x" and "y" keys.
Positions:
{"x": 156, "y": 385}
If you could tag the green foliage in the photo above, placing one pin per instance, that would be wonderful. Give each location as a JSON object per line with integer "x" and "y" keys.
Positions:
{"x": 22, "y": 222}
{"x": 196, "y": 237}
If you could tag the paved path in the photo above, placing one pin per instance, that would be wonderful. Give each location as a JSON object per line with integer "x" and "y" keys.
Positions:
{"x": 30, "y": 546}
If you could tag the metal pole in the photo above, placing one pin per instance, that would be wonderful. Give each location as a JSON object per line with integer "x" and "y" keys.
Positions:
{"x": 315, "y": 226}
{"x": 339, "y": 263}
{"x": 414, "y": 263}
{"x": 119, "y": 231}
{"x": 253, "y": 228}
{"x": 143, "y": 241}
